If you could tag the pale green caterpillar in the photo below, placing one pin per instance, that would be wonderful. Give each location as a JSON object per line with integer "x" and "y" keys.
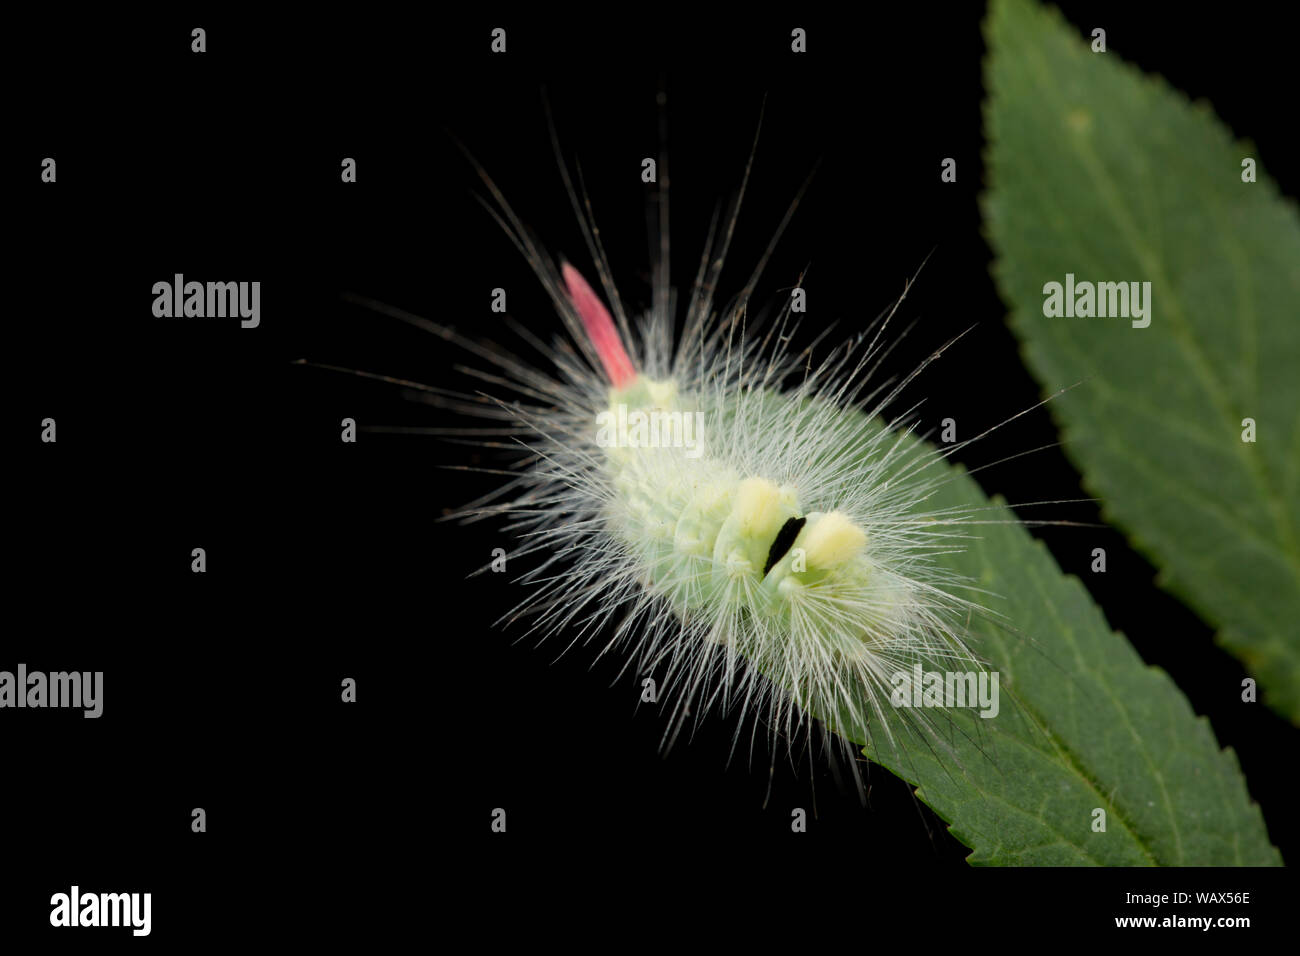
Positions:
{"x": 751, "y": 533}
{"x": 716, "y": 508}
{"x": 822, "y": 586}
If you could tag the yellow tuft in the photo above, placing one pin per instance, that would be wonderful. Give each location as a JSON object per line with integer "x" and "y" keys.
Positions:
{"x": 830, "y": 539}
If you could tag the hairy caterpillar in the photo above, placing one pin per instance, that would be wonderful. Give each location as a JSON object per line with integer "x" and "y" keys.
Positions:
{"x": 779, "y": 559}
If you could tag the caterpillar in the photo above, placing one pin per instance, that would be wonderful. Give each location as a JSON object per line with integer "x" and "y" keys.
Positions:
{"x": 709, "y": 504}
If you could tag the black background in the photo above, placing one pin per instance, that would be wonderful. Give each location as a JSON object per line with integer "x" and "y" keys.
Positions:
{"x": 328, "y": 561}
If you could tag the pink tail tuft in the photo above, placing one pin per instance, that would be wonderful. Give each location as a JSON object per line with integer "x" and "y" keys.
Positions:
{"x": 600, "y": 327}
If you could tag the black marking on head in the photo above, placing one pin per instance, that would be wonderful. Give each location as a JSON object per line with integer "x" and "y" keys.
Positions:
{"x": 784, "y": 538}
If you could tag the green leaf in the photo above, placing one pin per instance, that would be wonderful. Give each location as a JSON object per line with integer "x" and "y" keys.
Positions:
{"x": 1084, "y": 725}
{"x": 1098, "y": 170}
